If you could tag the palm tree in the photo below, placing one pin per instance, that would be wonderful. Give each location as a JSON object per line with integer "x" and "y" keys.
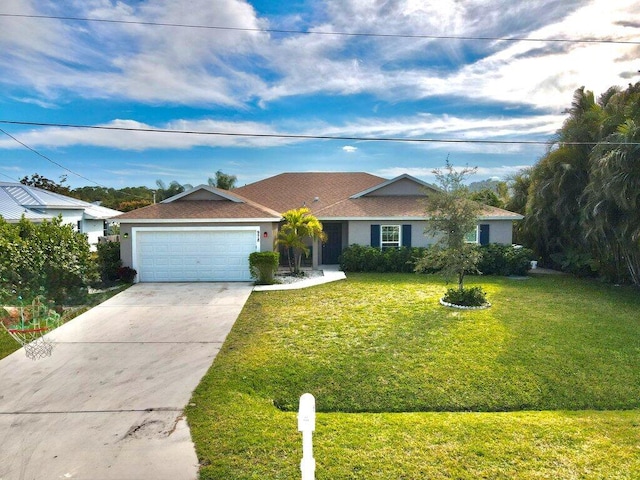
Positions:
{"x": 552, "y": 225}
{"x": 163, "y": 192}
{"x": 612, "y": 213}
{"x": 223, "y": 181}
{"x": 299, "y": 225}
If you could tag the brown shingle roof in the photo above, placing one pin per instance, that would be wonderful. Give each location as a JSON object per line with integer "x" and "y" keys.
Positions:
{"x": 326, "y": 194}
{"x": 409, "y": 206}
{"x": 294, "y": 190}
{"x": 199, "y": 209}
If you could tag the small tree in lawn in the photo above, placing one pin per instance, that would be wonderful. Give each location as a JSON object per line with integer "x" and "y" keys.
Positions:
{"x": 451, "y": 215}
{"x": 298, "y": 226}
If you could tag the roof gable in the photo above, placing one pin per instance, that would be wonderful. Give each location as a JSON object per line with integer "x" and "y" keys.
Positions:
{"x": 402, "y": 185}
{"x": 203, "y": 192}
{"x": 202, "y": 203}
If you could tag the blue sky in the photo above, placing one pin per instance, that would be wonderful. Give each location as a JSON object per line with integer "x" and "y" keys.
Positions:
{"x": 256, "y": 80}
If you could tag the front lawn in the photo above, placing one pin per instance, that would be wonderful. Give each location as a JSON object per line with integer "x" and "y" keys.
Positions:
{"x": 545, "y": 384}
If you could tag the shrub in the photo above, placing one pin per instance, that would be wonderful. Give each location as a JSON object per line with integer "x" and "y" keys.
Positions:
{"x": 109, "y": 261}
{"x": 505, "y": 260}
{"x": 466, "y": 297}
{"x": 359, "y": 258}
{"x": 47, "y": 258}
{"x": 519, "y": 260}
{"x": 263, "y": 266}
{"x": 127, "y": 274}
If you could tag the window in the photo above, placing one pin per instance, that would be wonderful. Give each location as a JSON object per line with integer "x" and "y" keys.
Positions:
{"x": 472, "y": 236}
{"x": 390, "y": 236}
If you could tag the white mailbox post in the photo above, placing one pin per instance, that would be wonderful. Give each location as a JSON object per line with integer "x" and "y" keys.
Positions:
{"x": 307, "y": 425}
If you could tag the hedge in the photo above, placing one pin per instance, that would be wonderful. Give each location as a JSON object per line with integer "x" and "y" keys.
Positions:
{"x": 495, "y": 259}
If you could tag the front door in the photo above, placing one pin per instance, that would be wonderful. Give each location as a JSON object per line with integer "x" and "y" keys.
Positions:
{"x": 332, "y": 248}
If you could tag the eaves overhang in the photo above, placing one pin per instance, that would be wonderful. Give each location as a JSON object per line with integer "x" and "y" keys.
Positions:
{"x": 197, "y": 220}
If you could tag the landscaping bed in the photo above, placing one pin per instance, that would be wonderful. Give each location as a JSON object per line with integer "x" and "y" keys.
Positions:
{"x": 400, "y": 382}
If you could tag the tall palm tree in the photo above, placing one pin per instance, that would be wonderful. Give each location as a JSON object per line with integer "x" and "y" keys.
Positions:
{"x": 612, "y": 197}
{"x": 223, "y": 180}
{"x": 552, "y": 225}
{"x": 299, "y": 225}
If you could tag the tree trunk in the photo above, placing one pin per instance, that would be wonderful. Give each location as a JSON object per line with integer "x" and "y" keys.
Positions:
{"x": 290, "y": 260}
{"x": 298, "y": 261}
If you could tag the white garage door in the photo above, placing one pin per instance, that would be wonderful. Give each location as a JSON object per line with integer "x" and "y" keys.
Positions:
{"x": 199, "y": 255}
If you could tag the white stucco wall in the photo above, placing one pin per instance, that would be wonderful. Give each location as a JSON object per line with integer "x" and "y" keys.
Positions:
{"x": 93, "y": 229}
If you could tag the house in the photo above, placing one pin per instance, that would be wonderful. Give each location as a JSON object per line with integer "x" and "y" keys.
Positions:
{"x": 207, "y": 234}
{"x": 18, "y": 200}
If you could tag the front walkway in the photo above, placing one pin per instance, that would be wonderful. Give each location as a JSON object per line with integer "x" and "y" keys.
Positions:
{"x": 331, "y": 273}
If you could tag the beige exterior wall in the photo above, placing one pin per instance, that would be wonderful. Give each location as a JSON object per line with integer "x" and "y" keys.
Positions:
{"x": 126, "y": 248}
{"x": 404, "y": 186}
{"x": 500, "y": 231}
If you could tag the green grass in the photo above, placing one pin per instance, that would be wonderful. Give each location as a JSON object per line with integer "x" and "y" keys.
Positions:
{"x": 545, "y": 384}
{"x": 8, "y": 345}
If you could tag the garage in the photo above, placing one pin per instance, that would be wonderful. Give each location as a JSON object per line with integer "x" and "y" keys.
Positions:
{"x": 191, "y": 254}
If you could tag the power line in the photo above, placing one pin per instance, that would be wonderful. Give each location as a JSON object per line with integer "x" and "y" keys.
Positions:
{"x": 274, "y": 135}
{"x": 319, "y": 32}
{"x": 60, "y": 165}
{"x": 306, "y": 137}
{"x": 7, "y": 176}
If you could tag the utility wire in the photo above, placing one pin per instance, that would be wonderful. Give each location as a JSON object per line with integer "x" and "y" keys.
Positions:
{"x": 308, "y": 137}
{"x": 61, "y": 166}
{"x": 316, "y": 32}
{"x": 7, "y": 176}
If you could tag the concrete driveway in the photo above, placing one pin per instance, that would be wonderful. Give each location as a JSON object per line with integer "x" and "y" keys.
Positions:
{"x": 108, "y": 403}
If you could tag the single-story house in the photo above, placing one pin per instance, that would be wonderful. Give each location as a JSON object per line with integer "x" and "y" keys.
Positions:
{"x": 207, "y": 234}
{"x": 35, "y": 204}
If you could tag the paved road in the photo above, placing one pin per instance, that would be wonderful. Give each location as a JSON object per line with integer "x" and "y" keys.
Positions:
{"x": 108, "y": 403}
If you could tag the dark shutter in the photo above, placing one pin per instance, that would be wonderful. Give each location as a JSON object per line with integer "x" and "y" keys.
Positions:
{"x": 406, "y": 235}
{"x": 484, "y": 234}
{"x": 375, "y": 236}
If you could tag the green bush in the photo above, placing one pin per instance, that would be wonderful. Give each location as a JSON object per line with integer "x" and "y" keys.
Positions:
{"x": 466, "y": 297}
{"x": 127, "y": 274}
{"x": 519, "y": 260}
{"x": 109, "y": 261}
{"x": 431, "y": 260}
{"x": 359, "y": 258}
{"x": 48, "y": 258}
{"x": 495, "y": 259}
{"x": 263, "y": 266}
{"x": 504, "y": 260}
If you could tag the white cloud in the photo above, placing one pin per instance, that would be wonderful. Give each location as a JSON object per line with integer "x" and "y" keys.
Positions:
{"x": 532, "y": 73}
{"x": 223, "y": 133}
{"x": 207, "y": 66}
{"x": 500, "y": 172}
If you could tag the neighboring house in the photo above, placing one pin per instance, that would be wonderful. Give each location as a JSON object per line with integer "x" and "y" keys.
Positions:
{"x": 18, "y": 200}
{"x": 207, "y": 234}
